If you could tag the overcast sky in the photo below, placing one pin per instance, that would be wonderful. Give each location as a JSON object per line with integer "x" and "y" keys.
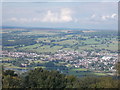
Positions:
{"x": 89, "y": 15}
{"x": 59, "y": 0}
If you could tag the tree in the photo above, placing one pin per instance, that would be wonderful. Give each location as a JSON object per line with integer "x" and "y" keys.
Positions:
{"x": 40, "y": 78}
{"x": 118, "y": 68}
{"x": 10, "y": 79}
{"x": 71, "y": 82}
{"x": 105, "y": 82}
{"x": 10, "y": 72}
{"x": 11, "y": 82}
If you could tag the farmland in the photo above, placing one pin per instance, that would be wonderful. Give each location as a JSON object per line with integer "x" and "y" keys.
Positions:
{"x": 76, "y": 52}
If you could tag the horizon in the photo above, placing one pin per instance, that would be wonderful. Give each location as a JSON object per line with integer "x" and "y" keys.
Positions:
{"x": 57, "y": 28}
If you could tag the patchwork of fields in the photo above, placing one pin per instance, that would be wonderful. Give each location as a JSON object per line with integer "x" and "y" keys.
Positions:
{"x": 50, "y": 43}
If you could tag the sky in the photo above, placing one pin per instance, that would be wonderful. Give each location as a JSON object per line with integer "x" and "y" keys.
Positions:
{"x": 87, "y": 15}
{"x": 59, "y": 0}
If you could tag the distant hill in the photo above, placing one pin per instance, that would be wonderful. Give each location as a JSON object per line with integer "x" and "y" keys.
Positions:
{"x": 43, "y": 28}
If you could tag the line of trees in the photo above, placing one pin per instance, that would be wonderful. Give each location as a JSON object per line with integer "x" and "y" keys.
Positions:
{"x": 40, "y": 78}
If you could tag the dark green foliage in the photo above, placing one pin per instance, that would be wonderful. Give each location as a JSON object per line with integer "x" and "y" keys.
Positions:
{"x": 40, "y": 78}
{"x": 118, "y": 68}
{"x": 9, "y": 72}
{"x": 10, "y": 79}
{"x": 98, "y": 82}
{"x": 11, "y": 82}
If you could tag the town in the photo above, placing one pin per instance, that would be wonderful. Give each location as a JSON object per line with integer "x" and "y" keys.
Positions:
{"x": 68, "y": 51}
{"x": 93, "y": 61}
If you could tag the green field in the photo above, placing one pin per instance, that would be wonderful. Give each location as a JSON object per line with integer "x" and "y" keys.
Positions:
{"x": 8, "y": 59}
{"x": 52, "y": 41}
{"x": 79, "y": 69}
{"x": 38, "y": 32}
{"x": 48, "y": 42}
{"x": 69, "y": 42}
{"x": 84, "y": 72}
{"x": 41, "y": 49}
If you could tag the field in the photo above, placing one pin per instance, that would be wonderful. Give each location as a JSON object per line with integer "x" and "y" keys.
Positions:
{"x": 84, "y": 72}
{"x": 50, "y": 42}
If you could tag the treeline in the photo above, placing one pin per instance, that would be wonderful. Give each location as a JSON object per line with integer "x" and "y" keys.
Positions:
{"x": 101, "y": 34}
{"x": 40, "y": 78}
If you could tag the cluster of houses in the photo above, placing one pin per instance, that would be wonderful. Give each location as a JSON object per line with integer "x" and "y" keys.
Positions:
{"x": 19, "y": 54}
{"x": 101, "y": 61}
